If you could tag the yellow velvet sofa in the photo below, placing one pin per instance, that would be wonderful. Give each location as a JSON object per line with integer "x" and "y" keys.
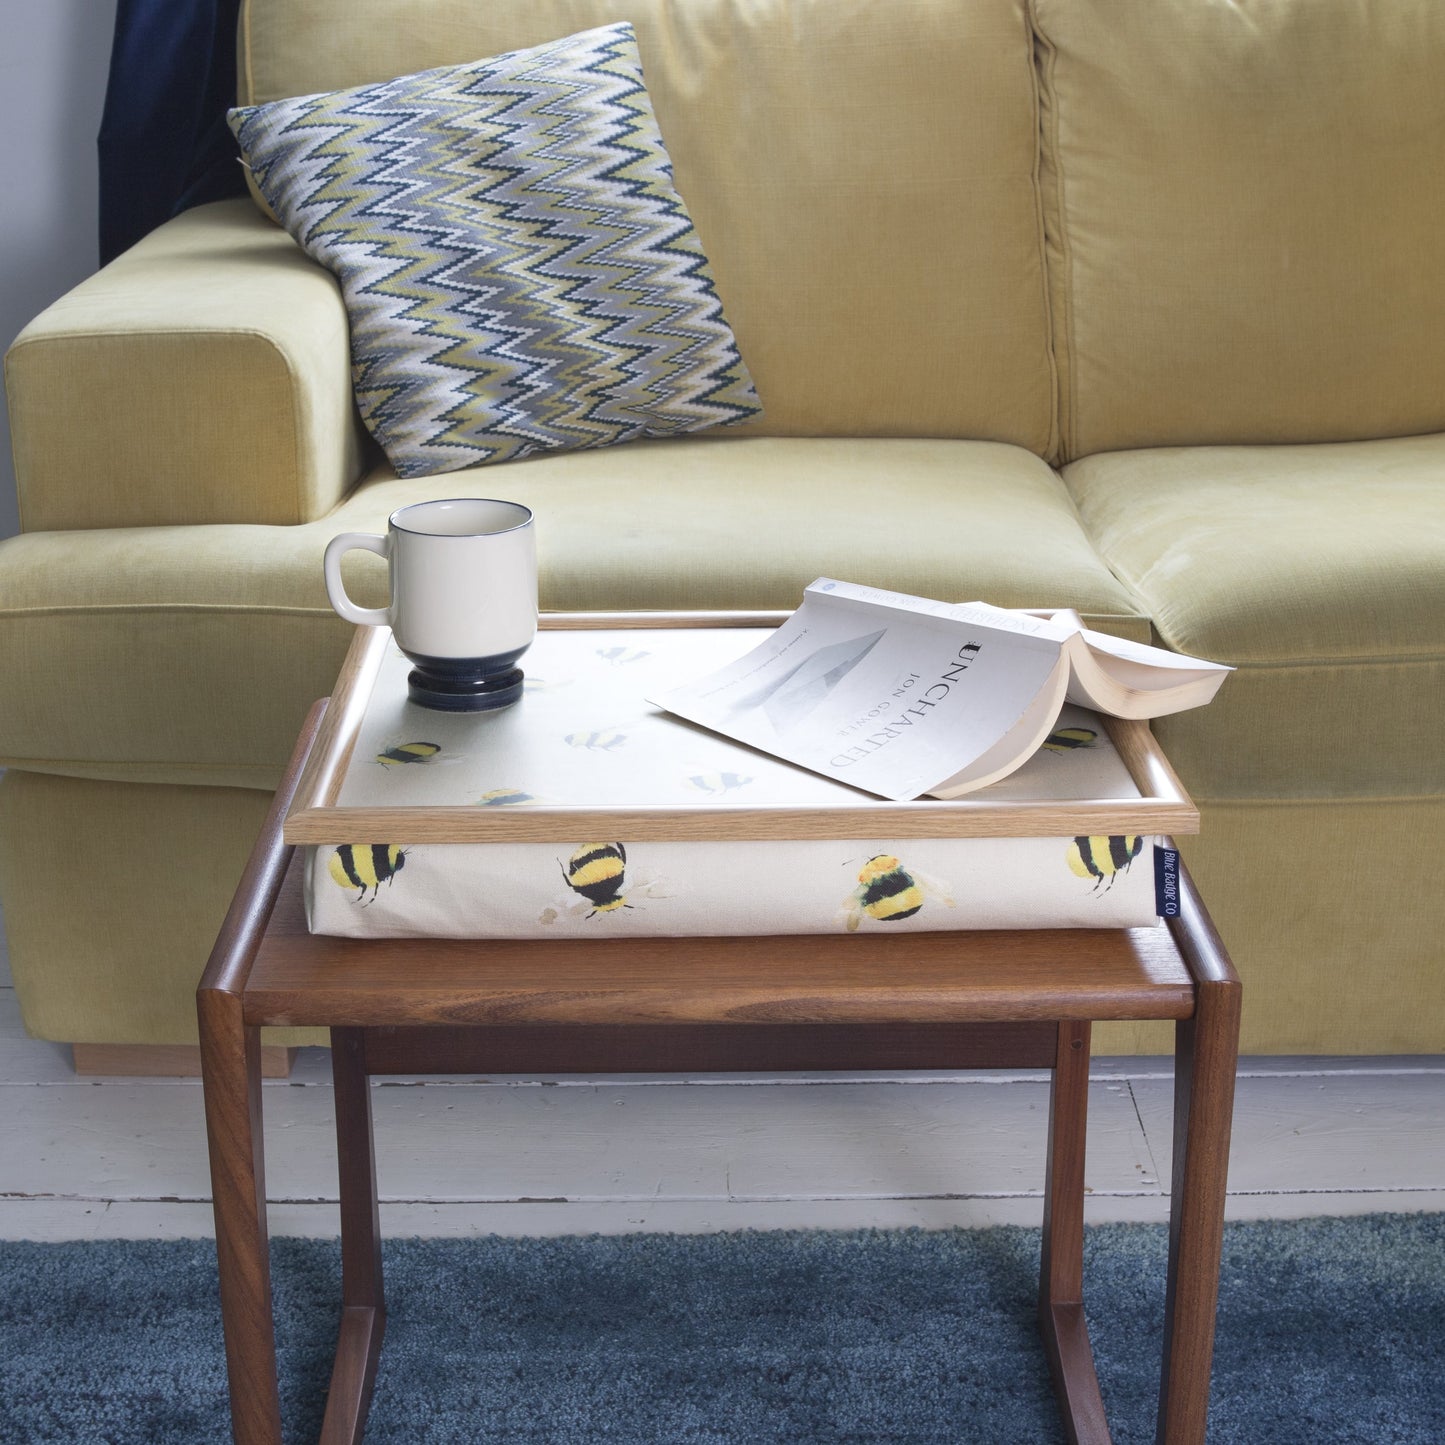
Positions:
{"x": 1130, "y": 308}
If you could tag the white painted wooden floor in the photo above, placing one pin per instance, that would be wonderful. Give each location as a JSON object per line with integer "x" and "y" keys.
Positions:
{"x": 81, "y": 1158}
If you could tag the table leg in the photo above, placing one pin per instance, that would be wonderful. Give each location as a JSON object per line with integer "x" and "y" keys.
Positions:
{"x": 1061, "y": 1283}
{"x": 1206, "y": 1053}
{"x": 231, "y": 1068}
{"x": 231, "y": 1071}
{"x": 363, "y": 1306}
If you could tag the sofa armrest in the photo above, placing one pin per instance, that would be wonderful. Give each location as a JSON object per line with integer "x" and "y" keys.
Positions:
{"x": 203, "y": 376}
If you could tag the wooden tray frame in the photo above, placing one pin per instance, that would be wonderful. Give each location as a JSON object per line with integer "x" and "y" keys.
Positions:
{"x": 315, "y": 817}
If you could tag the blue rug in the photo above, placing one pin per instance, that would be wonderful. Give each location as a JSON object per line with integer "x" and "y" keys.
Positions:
{"x": 1329, "y": 1330}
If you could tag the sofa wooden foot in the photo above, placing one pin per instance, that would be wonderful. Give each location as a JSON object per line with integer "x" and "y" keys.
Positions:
{"x": 166, "y": 1060}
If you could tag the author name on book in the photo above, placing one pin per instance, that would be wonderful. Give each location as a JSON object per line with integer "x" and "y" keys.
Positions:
{"x": 916, "y": 712}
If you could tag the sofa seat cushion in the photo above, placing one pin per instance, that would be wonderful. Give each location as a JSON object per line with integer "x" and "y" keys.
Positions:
{"x": 1319, "y": 571}
{"x": 192, "y": 653}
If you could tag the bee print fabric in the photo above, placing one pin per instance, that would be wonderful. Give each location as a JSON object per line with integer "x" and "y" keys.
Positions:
{"x": 583, "y": 734}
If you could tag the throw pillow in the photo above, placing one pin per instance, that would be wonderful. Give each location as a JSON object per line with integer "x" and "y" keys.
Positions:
{"x": 519, "y": 270}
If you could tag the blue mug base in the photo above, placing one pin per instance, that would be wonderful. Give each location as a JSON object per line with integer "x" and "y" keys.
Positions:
{"x": 465, "y": 684}
{"x": 464, "y": 694}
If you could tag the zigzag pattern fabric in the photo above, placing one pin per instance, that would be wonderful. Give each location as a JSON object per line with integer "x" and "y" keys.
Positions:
{"x": 519, "y": 270}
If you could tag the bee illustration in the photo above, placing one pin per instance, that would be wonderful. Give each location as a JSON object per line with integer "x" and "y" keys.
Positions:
{"x": 408, "y": 753}
{"x": 717, "y": 783}
{"x": 505, "y": 798}
{"x": 366, "y": 865}
{"x": 1103, "y": 859}
{"x": 604, "y": 740}
{"x": 888, "y": 893}
{"x": 1067, "y": 739}
{"x": 597, "y": 873}
{"x": 618, "y": 656}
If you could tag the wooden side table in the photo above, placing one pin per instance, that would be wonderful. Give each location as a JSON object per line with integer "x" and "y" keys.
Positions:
{"x": 943, "y": 1000}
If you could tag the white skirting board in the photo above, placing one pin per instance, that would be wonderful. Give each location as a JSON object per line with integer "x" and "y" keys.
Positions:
{"x": 127, "y": 1158}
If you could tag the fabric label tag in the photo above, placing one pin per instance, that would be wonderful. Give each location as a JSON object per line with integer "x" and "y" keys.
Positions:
{"x": 1166, "y": 882}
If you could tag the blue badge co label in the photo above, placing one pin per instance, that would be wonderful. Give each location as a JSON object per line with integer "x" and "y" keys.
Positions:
{"x": 1166, "y": 882}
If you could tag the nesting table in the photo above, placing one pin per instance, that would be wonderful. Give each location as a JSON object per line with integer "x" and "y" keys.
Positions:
{"x": 1006, "y": 999}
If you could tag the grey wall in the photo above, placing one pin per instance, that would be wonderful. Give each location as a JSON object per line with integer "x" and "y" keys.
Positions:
{"x": 53, "y": 60}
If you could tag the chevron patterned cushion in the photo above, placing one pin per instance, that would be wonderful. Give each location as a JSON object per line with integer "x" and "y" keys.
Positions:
{"x": 520, "y": 273}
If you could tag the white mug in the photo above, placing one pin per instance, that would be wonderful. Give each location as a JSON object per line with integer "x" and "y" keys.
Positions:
{"x": 463, "y": 597}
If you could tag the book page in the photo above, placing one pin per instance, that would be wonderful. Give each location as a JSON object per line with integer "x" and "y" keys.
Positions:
{"x": 1018, "y": 746}
{"x": 886, "y": 692}
{"x": 1130, "y": 679}
{"x": 1139, "y": 653}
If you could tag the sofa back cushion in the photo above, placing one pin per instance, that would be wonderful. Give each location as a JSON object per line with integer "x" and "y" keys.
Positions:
{"x": 1246, "y": 215}
{"x": 861, "y": 175}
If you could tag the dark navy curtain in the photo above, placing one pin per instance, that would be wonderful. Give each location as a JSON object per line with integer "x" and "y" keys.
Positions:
{"x": 164, "y": 144}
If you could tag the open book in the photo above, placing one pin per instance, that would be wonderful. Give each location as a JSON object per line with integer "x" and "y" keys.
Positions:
{"x": 902, "y": 696}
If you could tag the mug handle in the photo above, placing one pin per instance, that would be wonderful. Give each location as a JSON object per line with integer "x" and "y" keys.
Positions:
{"x": 345, "y": 607}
